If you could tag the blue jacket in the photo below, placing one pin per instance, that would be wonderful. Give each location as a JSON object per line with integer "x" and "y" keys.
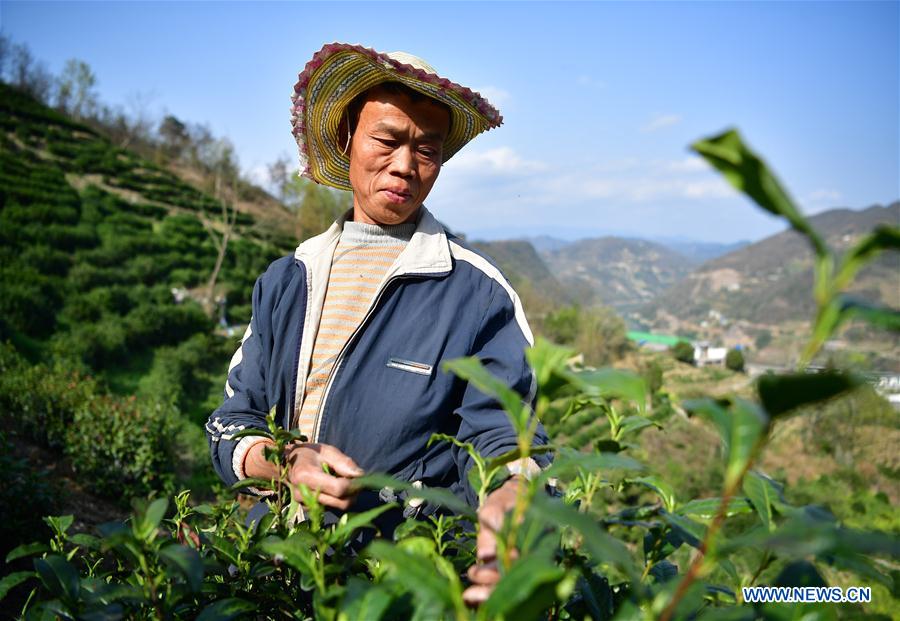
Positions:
{"x": 387, "y": 393}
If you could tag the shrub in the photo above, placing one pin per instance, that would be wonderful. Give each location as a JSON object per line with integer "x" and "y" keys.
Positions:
{"x": 25, "y": 493}
{"x": 40, "y": 401}
{"x": 122, "y": 447}
{"x": 763, "y": 338}
{"x": 734, "y": 360}
{"x": 683, "y": 352}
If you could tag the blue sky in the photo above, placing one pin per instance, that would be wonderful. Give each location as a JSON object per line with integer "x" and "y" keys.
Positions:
{"x": 600, "y": 100}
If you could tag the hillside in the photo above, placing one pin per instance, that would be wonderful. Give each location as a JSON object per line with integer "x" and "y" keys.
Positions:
{"x": 770, "y": 281}
{"x": 95, "y": 239}
{"x": 621, "y": 273}
{"x": 529, "y": 275}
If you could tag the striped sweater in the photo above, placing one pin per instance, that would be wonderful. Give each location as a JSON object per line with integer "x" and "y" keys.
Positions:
{"x": 363, "y": 256}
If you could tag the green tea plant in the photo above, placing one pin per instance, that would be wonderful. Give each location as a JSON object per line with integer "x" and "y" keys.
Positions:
{"x": 596, "y": 535}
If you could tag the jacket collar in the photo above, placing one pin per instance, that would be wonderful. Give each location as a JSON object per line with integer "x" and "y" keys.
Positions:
{"x": 428, "y": 251}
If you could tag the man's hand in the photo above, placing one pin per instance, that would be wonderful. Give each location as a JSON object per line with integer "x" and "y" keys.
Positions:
{"x": 321, "y": 467}
{"x": 484, "y": 573}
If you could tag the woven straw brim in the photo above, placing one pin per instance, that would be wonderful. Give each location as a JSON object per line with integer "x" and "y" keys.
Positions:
{"x": 337, "y": 74}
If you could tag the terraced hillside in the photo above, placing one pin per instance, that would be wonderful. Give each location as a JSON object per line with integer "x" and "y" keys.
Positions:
{"x": 95, "y": 239}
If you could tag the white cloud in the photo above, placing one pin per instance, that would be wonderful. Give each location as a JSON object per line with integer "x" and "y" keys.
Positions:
{"x": 687, "y": 165}
{"x": 499, "y": 161}
{"x": 661, "y": 121}
{"x": 638, "y": 181}
{"x": 494, "y": 94}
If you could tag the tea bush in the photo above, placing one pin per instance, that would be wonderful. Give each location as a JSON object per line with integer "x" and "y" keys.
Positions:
{"x": 121, "y": 445}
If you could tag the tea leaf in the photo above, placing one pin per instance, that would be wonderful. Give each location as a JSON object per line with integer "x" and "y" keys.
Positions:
{"x": 879, "y": 316}
{"x": 59, "y": 576}
{"x": 741, "y": 425}
{"x": 707, "y": 508}
{"x": 786, "y": 392}
{"x": 11, "y": 581}
{"x": 743, "y": 169}
{"x": 568, "y": 462}
{"x": 519, "y": 587}
{"x": 416, "y": 574}
{"x": 225, "y": 609}
{"x": 187, "y": 561}
{"x": 546, "y": 359}
{"x": 632, "y": 424}
{"x": 865, "y": 250}
{"x": 761, "y": 494}
{"x": 344, "y": 530}
{"x": 26, "y": 549}
{"x": 602, "y": 547}
{"x": 662, "y": 488}
{"x": 364, "y": 600}
{"x": 472, "y": 370}
{"x": 612, "y": 383}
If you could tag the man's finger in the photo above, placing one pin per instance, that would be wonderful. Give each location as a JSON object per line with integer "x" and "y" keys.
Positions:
{"x": 317, "y": 480}
{"x": 340, "y": 463}
{"x": 486, "y": 545}
{"x": 491, "y": 516}
{"x": 486, "y": 574}
{"x": 328, "y": 500}
{"x": 477, "y": 594}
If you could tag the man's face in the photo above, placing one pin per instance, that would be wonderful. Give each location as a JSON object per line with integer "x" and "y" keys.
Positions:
{"x": 395, "y": 156}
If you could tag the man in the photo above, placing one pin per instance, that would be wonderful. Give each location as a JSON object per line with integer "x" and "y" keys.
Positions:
{"x": 348, "y": 335}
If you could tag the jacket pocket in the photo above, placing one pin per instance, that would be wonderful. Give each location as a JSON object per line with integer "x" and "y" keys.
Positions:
{"x": 410, "y": 366}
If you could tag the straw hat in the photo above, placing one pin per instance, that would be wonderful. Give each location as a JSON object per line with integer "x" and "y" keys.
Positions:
{"x": 339, "y": 72}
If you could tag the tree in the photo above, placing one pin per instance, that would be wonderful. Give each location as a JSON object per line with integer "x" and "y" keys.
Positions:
{"x": 683, "y": 352}
{"x": 174, "y": 136}
{"x": 223, "y": 163}
{"x": 316, "y": 206}
{"x": 280, "y": 177}
{"x": 763, "y": 339}
{"x": 734, "y": 360}
{"x": 561, "y": 326}
{"x": 601, "y": 337}
{"x": 5, "y": 49}
{"x": 29, "y": 76}
{"x": 75, "y": 93}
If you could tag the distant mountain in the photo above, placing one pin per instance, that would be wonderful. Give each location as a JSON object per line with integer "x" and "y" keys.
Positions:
{"x": 700, "y": 252}
{"x": 771, "y": 281}
{"x": 545, "y": 243}
{"x": 622, "y": 273}
{"x": 527, "y": 273}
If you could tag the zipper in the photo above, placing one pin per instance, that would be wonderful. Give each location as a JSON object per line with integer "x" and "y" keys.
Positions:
{"x": 289, "y": 423}
{"x": 340, "y": 356}
{"x": 298, "y": 384}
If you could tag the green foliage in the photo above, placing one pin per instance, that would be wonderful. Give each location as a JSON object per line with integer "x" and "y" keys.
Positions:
{"x": 24, "y": 494}
{"x": 763, "y": 338}
{"x": 598, "y": 333}
{"x": 683, "y": 351}
{"x": 122, "y": 446}
{"x": 734, "y": 360}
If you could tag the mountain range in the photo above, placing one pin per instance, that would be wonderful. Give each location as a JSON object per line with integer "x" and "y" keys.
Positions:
{"x": 766, "y": 282}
